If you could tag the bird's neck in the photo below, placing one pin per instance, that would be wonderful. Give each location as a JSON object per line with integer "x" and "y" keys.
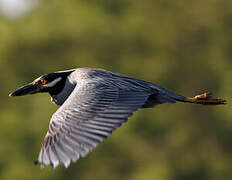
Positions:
{"x": 61, "y": 97}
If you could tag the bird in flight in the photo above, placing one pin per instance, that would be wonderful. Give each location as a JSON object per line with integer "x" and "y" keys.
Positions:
{"x": 93, "y": 103}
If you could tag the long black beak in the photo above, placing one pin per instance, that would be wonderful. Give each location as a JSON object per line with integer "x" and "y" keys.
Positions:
{"x": 28, "y": 89}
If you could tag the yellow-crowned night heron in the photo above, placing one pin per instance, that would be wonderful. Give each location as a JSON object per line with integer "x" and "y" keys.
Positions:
{"x": 94, "y": 103}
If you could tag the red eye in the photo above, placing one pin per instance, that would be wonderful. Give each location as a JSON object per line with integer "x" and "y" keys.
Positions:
{"x": 43, "y": 81}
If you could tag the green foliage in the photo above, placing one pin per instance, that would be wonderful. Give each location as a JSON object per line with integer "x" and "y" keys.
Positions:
{"x": 181, "y": 45}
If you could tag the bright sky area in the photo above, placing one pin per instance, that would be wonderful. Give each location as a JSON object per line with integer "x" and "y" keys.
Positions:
{"x": 16, "y": 8}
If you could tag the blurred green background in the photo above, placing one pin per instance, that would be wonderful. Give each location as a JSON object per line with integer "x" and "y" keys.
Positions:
{"x": 185, "y": 46}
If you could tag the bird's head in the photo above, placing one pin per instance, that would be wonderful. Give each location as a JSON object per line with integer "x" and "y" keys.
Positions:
{"x": 52, "y": 83}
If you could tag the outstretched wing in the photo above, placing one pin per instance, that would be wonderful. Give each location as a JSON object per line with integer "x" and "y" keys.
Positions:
{"x": 90, "y": 114}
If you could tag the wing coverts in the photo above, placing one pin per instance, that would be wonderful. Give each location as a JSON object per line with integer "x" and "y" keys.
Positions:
{"x": 87, "y": 117}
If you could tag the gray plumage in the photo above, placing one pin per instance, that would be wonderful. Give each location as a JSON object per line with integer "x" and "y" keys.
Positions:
{"x": 100, "y": 101}
{"x": 94, "y": 103}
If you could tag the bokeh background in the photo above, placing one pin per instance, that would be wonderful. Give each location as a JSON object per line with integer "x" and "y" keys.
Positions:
{"x": 185, "y": 46}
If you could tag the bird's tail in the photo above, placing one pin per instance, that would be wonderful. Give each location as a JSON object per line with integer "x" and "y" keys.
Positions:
{"x": 204, "y": 99}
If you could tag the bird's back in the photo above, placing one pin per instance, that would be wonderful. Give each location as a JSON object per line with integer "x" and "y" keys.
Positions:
{"x": 82, "y": 76}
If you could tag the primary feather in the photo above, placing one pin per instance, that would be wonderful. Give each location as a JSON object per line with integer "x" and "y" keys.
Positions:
{"x": 94, "y": 103}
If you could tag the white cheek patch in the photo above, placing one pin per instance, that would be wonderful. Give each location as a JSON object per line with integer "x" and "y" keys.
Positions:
{"x": 53, "y": 83}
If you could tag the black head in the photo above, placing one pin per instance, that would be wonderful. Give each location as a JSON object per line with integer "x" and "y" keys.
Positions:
{"x": 52, "y": 83}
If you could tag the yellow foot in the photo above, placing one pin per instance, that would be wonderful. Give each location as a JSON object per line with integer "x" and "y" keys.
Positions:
{"x": 205, "y": 99}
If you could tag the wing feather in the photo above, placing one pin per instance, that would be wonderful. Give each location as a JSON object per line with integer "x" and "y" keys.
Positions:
{"x": 86, "y": 118}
